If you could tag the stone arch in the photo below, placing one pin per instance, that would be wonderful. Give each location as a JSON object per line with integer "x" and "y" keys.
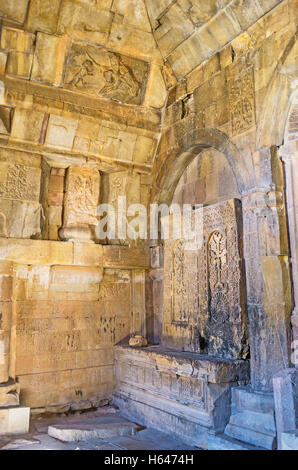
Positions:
{"x": 276, "y": 107}
{"x": 178, "y": 148}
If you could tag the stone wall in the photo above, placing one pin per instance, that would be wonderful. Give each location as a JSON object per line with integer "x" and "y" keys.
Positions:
{"x": 64, "y": 307}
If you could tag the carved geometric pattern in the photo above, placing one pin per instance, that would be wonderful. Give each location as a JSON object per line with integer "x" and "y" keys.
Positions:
{"x": 206, "y": 301}
{"x": 242, "y": 102}
{"x": 21, "y": 182}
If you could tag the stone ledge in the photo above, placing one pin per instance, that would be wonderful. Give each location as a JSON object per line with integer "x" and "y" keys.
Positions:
{"x": 46, "y": 252}
{"x": 207, "y": 368}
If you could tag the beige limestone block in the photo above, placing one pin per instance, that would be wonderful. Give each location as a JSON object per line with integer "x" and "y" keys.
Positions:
{"x": 134, "y": 13}
{"x": 144, "y": 149}
{"x": 14, "y": 420}
{"x": 175, "y": 27}
{"x": 55, "y": 215}
{"x": 87, "y": 254}
{"x": 75, "y": 279}
{"x": 17, "y": 40}
{"x": 84, "y": 22}
{"x": 114, "y": 143}
{"x": 156, "y": 8}
{"x": 27, "y": 125}
{"x": 156, "y": 90}
{"x": 43, "y": 15}
{"x": 19, "y": 182}
{"x": 19, "y": 63}
{"x": 133, "y": 41}
{"x": 15, "y": 9}
{"x": 22, "y": 218}
{"x": 49, "y": 58}
{"x": 61, "y": 132}
{"x": 81, "y": 201}
{"x": 36, "y": 251}
{"x": 3, "y": 60}
{"x": 114, "y": 256}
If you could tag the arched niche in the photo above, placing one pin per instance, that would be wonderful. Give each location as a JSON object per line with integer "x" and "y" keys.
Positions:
{"x": 204, "y": 302}
{"x": 178, "y": 148}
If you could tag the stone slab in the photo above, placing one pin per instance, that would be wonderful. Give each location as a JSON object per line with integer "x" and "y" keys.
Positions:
{"x": 14, "y": 420}
{"x": 252, "y": 420}
{"x": 285, "y": 388}
{"x": 289, "y": 440}
{"x": 222, "y": 442}
{"x": 94, "y": 429}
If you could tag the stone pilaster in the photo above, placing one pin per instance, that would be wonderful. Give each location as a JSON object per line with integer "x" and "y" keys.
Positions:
{"x": 268, "y": 284}
{"x": 289, "y": 155}
{"x": 80, "y": 204}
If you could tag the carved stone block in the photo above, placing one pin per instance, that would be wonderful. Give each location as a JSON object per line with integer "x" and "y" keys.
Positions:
{"x": 242, "y": 102}
{"x": 101, "y": 72}
{"x": 204, "y": 297}
{"x": 80, "y": 206}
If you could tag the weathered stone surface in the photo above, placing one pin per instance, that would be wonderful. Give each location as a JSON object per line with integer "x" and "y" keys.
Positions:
{"x": 43, "y": 15}
{"x": 49, "y": 58}
{"x": 99, "y": 71}
{"x": 285, "y": 387}
{"x": 203, "y": 305}
{"x": 16, "y": 10}
{"x": 92, "y": 430}
{"x": 168, "y": 101}
{"x": 81, "y": 201}
{"x": 14, "y": 420}
{"x": 157, "y": 387}
{"x": 252, "y": 420}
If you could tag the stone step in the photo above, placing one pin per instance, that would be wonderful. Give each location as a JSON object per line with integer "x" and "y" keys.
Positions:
{"x": 289, "y": 440}
{"x": 222, "y": 442}
{"x": 258, "y": 422}
{"x": 255, "y": 438}
{"x": 74, "y": 432}
{"x": 244, "y": 399}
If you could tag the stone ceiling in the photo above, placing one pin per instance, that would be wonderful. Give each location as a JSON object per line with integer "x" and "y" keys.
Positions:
{"x": 89, "y": 79}
{"x": 118, "y": 48}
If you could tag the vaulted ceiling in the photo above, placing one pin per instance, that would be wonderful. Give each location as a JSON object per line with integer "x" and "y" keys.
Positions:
{"x": 119, "y": 48}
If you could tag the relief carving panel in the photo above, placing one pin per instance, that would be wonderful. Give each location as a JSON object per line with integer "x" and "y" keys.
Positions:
{"x": 204, "y": 295}
{"x": 19, "y": 182}
{"x": 99, "y": 71}
{"x": 80, "y": 204}
{"x": 242, "y": 102}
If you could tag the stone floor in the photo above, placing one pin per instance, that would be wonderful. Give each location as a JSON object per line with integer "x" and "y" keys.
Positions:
{"x": 117, "y": 434}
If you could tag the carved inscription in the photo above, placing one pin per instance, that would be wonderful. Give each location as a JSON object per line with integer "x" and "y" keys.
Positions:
{"x": 242, "y": 102}
{"x": 101, "y": 72}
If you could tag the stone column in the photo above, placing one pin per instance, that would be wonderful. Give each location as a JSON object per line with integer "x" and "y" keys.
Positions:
{"x": 268, "y": 285}
{"x": 289, "y": 155}
{"x": 138, "y": 323}
{"x": 80, "y": 204}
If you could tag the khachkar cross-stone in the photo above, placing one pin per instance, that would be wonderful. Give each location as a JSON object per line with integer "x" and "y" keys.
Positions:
{"x": 80, "y": 204}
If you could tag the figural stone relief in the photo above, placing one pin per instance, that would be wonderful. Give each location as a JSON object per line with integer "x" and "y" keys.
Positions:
{"x": 101, "y": 72}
